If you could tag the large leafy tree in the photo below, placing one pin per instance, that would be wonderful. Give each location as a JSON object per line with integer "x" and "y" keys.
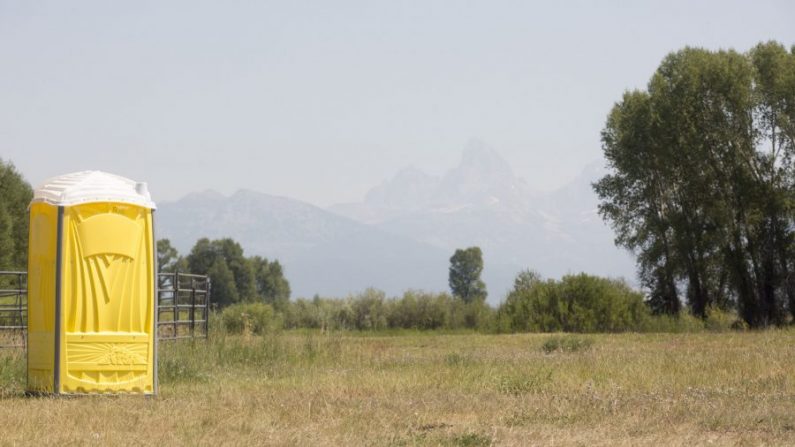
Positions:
{"x": 168, "y": 258}
{"x": 701, "y": 181}
{"x": 272, "y": 286}
{"x": 235, "y": 277}
{"x": 466, "y": 266}
{"x": 223, "y": 261}
{"x": 15, "y": 196}
{"x": 224, "y": 291}
{"x": 242, "y": 269}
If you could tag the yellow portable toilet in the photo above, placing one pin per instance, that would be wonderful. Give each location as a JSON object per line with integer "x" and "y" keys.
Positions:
{"x": 92, "y": 286}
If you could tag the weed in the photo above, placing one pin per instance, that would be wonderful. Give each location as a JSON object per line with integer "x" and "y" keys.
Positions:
{"x": 12, "y": 373}
{"x": 455, "y": 359}
{"x": 471, "y": 440}
{"x": 568, "y": 343}
{"x": 527, "y": 383}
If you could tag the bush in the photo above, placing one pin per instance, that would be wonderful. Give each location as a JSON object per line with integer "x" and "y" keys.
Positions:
{"x": 685, "y": 322}
{"x": 576, "y": 303}
{"x": 720, "y": 320}
{"x": 371, "y": 310}
{"x": 474, "y": 315}
{"x": 253, "y": 318}
{"x": 420, "y": 310}
{"x": 368, "y": 310}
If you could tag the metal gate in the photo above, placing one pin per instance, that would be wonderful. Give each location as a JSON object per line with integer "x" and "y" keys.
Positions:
{"x": 183, "y": 305}
{"x": 13, "y": 308}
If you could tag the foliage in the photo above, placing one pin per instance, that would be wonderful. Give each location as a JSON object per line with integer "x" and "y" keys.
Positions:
{"x": 701, "y": 187}
{"x": 224, "y": 291}
{"x": 471, "y": 439}
{"x": 168, "y": 258}
{"x": 223, "y": 261}
{"x": 237, "y": 278}
{"x": 685, "y": 322}
{"x": 368, "y": 310}
{"x": 372, "y": 310}
{"x": 15, "y": 196}
{"x": 576, "y": 303}
{"x": 466, "y": 266}
{"x": 720, "y": 320}
{"x": 250, "y": 318}
{"x": 421, "y": 310}
{"x": 271, "y": 285}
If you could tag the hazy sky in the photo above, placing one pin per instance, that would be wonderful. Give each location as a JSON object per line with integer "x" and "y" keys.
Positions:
{"x": 322, "y": 100}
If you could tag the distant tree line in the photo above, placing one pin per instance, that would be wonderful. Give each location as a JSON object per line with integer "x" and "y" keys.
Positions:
{"x": 575, "y": 303}
{"x": 702, "y": 182}
{"x": 234, "y": 277}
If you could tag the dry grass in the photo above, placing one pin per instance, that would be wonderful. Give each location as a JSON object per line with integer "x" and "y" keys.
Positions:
{"x": 429, "y": 389}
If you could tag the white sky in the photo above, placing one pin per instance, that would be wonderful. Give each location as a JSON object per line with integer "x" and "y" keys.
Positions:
{"x": 322, "y": 100}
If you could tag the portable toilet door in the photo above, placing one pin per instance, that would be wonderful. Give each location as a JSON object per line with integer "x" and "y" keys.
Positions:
{"x": 92, "y": 286}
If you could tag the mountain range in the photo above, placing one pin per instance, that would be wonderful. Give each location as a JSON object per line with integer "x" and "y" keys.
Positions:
{"x": 402, "y": 234}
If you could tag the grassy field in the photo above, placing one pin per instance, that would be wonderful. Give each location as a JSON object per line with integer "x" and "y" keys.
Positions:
{"x": 301, "y": 388}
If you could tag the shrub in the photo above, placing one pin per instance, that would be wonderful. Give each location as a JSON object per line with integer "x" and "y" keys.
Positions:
{"x": 371, "y": 310}
{"x": 368, "y": 310}
{"x": 685, "y": 322}
{"x": 318, "y": 313}
{"x": 576, "y": 303}
{"x": 720, "y": 320}
{"x": 420, "y": 310}
{"x": 255, "y": 318}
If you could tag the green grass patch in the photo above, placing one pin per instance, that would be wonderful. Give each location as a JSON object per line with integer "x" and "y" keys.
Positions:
{"x": 567, "y": 344}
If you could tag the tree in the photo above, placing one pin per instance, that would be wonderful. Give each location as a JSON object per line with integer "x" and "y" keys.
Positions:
{"x": 637, "y": 197}
{"x": 202, "y": 256}
{"x": 15, "y": 196}
{"x": 224, "y": 291}
{"x": 526, "y": 279}
{"x": 271, "y": 285}
{"x": 466, "y": 266}
{"x": 7, "y": 243}
{"x": 205, "y": 253}
{"x": 240, "y": 266}
{"x": 695, "y": 193}
{"x": 168, "y": 258}
{"x": 253, "y": 278}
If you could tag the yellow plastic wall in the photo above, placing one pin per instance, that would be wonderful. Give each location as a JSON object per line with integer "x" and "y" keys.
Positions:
{"x": 41, "y": 296}
{"x": 107, "y": 299}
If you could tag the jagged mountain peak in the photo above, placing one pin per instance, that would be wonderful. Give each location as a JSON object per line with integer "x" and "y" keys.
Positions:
{"x": 480, "y": 157}
{"x": 402, "y": 236}
{"x": 409, "y": 189}
{"x": 482, "y": 178}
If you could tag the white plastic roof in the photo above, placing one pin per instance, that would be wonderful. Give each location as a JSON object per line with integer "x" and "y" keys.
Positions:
{"x": 92, "y": 186}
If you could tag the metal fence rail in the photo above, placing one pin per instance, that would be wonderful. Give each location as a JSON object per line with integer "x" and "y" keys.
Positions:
{"x": 183, "y": 304}
{"x": 13, "y": 308}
